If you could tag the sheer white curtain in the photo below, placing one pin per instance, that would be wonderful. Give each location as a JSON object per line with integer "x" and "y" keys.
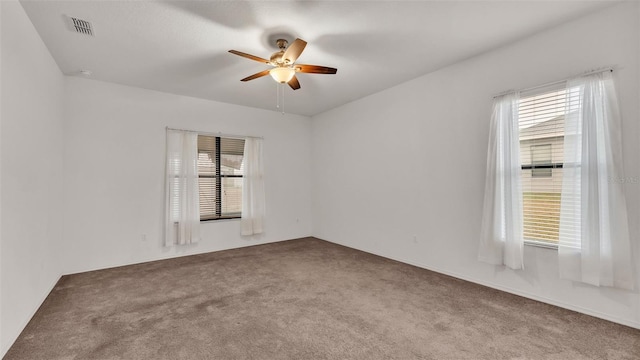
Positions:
{"x": 594, "y": 237}
{"x": 253, "y": 198}
{"x": 502, "y": 241}
{"x": 182, "y": 217}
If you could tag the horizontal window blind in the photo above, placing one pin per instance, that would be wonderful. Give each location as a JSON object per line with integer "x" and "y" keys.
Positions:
{"x": 220, "y": 177}
{"x": 541, "y": 125}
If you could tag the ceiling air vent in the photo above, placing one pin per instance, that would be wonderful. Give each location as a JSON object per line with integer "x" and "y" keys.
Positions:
{"x": 80, "y": 26}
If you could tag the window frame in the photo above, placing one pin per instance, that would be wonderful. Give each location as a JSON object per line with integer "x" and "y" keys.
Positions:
{"x": 218, "y": 176}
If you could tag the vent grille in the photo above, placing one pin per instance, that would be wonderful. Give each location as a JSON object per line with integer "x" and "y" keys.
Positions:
{"x": 81, "y": 26}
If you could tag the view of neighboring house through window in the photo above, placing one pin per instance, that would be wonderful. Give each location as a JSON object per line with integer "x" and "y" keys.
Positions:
{"x": 540, "y": 160}
{"x": 220, "y": 177}
{"x": 541, "y": 122}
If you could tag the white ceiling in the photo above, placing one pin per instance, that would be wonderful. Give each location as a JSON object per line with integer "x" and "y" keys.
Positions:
{"x": 181, "y": 47}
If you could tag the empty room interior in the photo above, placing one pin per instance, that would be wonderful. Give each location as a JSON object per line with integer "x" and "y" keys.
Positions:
{"x": 320, "y": 180}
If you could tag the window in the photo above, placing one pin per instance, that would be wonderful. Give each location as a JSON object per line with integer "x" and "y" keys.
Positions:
{"x": 541, "y": 123}
{"x": 220, "y": 177}
{"x": 575, "y": 207}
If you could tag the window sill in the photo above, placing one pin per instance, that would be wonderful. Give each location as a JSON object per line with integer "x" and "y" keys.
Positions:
{"x": 542, "y": 244}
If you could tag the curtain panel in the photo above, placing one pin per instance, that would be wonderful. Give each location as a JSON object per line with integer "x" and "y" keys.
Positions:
{"x": 501, "y": 238}
{"x": 182, "y": 213}
{"x": 594, "y": 244}
{"x": 253, "y": 195}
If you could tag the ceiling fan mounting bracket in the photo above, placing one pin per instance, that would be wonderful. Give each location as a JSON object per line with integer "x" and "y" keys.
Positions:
{"x": 282, "y": 44}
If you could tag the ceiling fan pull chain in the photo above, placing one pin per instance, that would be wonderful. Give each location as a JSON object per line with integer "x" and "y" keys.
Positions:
{"x": 280, "y": 97}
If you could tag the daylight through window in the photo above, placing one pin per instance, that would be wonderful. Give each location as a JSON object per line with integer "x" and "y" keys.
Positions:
{"x": 541, "y": 120}
{"x": 220, "y": 177}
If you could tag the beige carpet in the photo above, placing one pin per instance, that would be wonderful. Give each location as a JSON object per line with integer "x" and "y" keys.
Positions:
{"x": 303, "y": 299}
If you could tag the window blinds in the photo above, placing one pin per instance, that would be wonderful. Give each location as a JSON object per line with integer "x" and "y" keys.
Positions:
{"x": 220, "y": 177}
{"x": 541, "y": 125}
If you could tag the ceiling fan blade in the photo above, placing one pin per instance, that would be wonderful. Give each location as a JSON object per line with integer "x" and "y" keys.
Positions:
{"x": 294, "y": 83}
{"x": 315, "y": 69}
{"x": 294, "y": 50}
{"x": 256, "y": 75}
{"x": 249, "y": 56}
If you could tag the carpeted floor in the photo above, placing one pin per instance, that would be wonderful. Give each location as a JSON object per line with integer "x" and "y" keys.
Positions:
{"x": 303, "y": 299}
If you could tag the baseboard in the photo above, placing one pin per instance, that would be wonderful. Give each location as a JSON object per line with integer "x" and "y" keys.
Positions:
{"x": 626, "y": 322}
{"x": 171, "y": 256}
{"x": 14, "y": 337}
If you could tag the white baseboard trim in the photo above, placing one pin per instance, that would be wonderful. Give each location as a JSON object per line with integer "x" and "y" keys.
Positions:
{"x": 626, "y": 322}
{"x": 13, "y": 337}
{"x": 169, "y": 256}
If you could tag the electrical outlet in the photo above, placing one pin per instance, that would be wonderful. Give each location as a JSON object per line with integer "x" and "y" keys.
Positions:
{"x": 415, "y": 239}
{"x": 143, "y": 237}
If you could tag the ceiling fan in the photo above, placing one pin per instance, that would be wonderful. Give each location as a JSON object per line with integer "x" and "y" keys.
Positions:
{"x": 284, "y": 61}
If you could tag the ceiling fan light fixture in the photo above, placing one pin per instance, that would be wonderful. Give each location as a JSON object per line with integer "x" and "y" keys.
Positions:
{"x": 282, "y": 74}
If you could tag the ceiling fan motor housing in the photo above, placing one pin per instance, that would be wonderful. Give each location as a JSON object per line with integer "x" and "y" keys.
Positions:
{"x": 276, "y": 58}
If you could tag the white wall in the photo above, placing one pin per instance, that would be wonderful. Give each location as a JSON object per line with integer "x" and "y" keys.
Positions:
{"x": 114, "y": 172}
{"x": 410, "y": 161}
{"x": 31, "y": 179}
